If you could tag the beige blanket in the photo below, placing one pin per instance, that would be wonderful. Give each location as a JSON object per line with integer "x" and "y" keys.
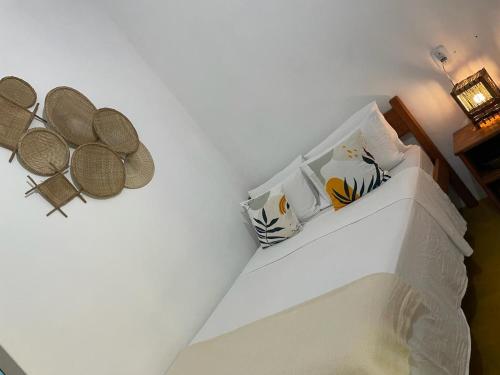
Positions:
{"x": 361, "y": 328}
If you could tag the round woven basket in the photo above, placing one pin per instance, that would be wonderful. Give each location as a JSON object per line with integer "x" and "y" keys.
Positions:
{"x": 98, "y": 170}
{"x": 43, "y": 152}
{"x": 139, "y": 168}
{"x": 70, "y": 113}
{"x": 115, "y": 130}
{"x": 18, "y": 91}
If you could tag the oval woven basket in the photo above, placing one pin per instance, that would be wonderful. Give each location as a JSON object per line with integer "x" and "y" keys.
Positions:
{"x": 18, "y": 91}
{"x": 115, "y": 130}
{"x": 139, "y": 168}
{"x": 43, "y": 152}
{"x": 70, "y": 113}
{"x": 98, "y": 170}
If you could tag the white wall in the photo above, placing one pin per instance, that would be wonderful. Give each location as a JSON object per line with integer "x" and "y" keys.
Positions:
{"x": 124, "y": 283}
{"x": 268, "y": 79}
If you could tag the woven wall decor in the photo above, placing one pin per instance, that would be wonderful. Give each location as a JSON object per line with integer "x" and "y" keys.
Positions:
{"x": 14, "y": 121}
{"x": 98, "y": 170}
{"x": 57, "y": 190}
{"x": 139, "y": 168}
{"x": 115, "y": 130}
{"x": 43, "y": 151}
{"x": 18, "y": 91}
{"x": 70, "y": 113}
{"x": 103, "y": 138}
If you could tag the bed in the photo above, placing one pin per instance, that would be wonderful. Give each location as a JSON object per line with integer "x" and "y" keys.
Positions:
{"x": 424, "y": 247}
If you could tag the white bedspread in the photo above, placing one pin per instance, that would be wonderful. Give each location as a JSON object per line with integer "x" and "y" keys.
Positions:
{"x": 415, "y": 156}
{"x": 408, "y": 226}
{"x": 410, "y": 184}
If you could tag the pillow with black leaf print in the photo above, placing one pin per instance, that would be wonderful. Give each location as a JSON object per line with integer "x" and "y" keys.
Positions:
{"x": 346, "y": 172}
{"x": 272, "y": 217}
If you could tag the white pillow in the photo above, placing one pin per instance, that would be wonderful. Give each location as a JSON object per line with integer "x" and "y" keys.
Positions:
{"x": 277, "y": 178}
{"x": 300, "y": 194}
{"x": 381, "y": 139}
{"x": 347, "y": 127}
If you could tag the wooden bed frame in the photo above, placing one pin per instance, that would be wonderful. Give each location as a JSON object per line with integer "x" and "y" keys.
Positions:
{"x": 401, "y": 119}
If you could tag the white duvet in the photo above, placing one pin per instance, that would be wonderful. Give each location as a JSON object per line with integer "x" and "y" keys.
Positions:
{"x": 408, "y": 226}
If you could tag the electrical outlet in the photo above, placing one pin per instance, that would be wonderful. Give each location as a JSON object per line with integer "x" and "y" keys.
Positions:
{"x": 440, "y": 55}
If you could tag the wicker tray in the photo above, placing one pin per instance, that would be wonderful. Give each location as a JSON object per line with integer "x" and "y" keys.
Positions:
{"x": 70, "y": 113}
{"x": 18, "y": 91}
{"x": 43, "y": 152}
{"x": 98, "y": 170}
{"x": 115, "y": 130}
{"x": 14, "y": 121}
{"x": 139, "y": 168}
{"x": 57, "y": 190}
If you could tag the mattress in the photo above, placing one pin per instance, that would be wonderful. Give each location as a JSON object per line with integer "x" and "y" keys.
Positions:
{"x": 366, "y": 237}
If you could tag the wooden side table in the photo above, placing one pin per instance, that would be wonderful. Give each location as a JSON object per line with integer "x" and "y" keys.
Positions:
{"x": 479, "y": 149}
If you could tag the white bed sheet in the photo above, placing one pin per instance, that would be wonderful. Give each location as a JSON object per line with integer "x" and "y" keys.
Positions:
{"x": 401, "y": 238}
{"x": 415, "y": 156}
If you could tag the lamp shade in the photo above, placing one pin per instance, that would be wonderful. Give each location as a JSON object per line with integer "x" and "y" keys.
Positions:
{"x": 478, "y": 96}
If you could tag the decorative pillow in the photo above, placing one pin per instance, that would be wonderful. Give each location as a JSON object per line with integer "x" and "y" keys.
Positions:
{"x": 278, "y": 178}
{"x": 380, "y": 137}
{"x": 272, "y": 217}
{"x": 346, "y": 172}
{"x": 300, "y": 194}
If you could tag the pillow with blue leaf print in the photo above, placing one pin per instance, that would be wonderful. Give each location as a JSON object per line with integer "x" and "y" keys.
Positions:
{"x": 272, "y": 217}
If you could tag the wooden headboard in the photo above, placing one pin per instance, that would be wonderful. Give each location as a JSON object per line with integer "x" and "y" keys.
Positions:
{"x": 401, "y": 119}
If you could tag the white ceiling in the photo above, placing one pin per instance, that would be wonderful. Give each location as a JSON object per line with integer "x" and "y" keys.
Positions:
{"x": 267, "y": 79}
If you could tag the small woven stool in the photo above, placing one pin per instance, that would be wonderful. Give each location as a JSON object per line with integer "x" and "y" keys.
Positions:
{"x": 57, "y": 190}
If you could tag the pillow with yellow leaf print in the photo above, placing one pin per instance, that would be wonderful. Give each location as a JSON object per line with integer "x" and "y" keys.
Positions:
{"x": 346, "y": 172}
{"x": 272, "y": 217}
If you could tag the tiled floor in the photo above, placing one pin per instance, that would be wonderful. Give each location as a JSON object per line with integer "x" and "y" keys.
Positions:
{"x": 482, "y": 302}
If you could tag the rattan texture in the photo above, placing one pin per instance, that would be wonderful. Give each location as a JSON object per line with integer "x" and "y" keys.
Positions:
{"x": 43, "y": 151}
{"x": 18, "y": 91}
{"x": 14, "y": 120}
{"x": 98, "y": 170}
{"x": 115, "y": 130}
{"x": 139, "y": 168}
{"x": 57, "y": 190}
{"x": 70, "y": 113}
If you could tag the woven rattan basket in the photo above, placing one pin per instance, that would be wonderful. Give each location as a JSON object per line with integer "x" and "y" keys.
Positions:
{"x": 115, "y": 130}
{"x": 98, "y": 170}
{"x": 43, "y": 151}
{"x": 18, "y": 91}
{"x": 70, "y": 113}
{"x": 139, "y": 168}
